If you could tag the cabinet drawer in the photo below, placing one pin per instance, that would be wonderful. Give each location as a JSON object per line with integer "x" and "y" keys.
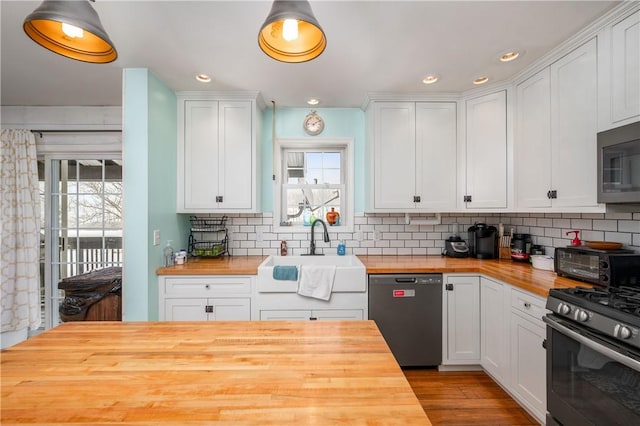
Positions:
{"x": 206, "y": 286}
{"x": 528, "y": 304}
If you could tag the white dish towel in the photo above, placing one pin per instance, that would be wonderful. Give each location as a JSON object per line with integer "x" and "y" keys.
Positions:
{"x": 316, "y": 281}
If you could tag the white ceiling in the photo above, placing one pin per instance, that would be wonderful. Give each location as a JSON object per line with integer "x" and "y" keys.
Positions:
{"x": 374, "y": 46}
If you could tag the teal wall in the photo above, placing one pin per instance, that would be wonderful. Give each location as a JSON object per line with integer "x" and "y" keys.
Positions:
{"x": 339, "y": 123}
{"x": 149, "y": 153}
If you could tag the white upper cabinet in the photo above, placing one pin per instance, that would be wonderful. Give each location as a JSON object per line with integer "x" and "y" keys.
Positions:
{"x": 619, "y": 73}
{"x": 414, "y": 156}
{"x": 574, "y": 115}
{"x": 394, "y": 174}
{"x": 486, "y": 151}
{"x": 533, "y": 141}
{"x": 555, "y": 146}
{"x": 217, "y": 156}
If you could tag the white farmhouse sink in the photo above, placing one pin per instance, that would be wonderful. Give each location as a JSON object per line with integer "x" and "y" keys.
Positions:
{"x": 351, "y": 275}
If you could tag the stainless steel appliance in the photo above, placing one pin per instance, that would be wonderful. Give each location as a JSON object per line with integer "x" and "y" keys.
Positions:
{"x": 619, "y": 165}
{"x": 593, "y": 356}
{"x": 600, "y": 267}
{"x": 483, "y": 241}
{"x": 408, "y": 311}
{"x": 455, "y": 247}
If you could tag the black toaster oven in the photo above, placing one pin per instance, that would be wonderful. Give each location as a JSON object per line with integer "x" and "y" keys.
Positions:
{"x": 607, "y": 268}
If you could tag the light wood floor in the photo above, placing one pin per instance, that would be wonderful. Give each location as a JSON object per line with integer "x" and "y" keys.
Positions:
{"x": 465, "y": 398}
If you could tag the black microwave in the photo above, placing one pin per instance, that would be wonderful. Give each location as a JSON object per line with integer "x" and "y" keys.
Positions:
{"x": 619, "y": 164}
{"x": 607, "y": 268}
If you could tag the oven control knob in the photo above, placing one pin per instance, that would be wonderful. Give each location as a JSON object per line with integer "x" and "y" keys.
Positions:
{"x": 604, "y": 278}
{"x": 564, "y": 309}
{"x": 582, "y": 316}
{"x": 622, "y": 331}
{"x": 604, "y": 264}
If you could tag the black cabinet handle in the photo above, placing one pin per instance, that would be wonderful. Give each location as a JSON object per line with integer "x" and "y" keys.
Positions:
{"x": 219, "y": 198}
{"x": 416, "y": 198}
{"x": 313, "y": 319}
{"x": 448, "y": 287}
{"x": 208, "y": 309}
{"x": 544, "y": 343}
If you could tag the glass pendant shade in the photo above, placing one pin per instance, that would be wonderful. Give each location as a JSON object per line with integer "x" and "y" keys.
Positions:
{"x": 310, "y": 42}
{"x": 44, "y": 26}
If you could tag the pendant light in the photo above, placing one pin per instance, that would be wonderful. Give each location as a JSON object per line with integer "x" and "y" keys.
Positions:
{"x": 72, "y": 29}
{"x": 291, "y": 33}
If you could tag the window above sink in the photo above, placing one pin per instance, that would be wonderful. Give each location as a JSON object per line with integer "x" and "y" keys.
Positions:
{"x": 313, "y": 178}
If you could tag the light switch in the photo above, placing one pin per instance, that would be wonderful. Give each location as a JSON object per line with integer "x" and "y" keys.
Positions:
{"x": 156, "y": 237}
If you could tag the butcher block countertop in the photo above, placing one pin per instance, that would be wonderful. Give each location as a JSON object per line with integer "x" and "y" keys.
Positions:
{"x": 225, "y": 265}
{"x": 230, "y": 373}
{"x": 518, "y": 274}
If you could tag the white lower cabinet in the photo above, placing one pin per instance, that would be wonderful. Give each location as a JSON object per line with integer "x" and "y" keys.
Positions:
{"x": 494, "y": 349}
{"x": 461, "y": 310}
{"x": 499, "y": 327}
{"x": 220, "y": 309}
{"x": 316, "y": 314}
{"x": 528, "y": 356}
{"x": 205, "y": 298}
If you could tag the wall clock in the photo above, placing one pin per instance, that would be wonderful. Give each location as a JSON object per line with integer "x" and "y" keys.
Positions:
{"x": 313, "y": 124}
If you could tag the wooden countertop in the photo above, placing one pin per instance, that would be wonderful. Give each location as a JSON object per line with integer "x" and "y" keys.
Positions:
{"x": 232, "y": 373}
{"x": 225, "y": 265}
{"x": 518, "y": 274}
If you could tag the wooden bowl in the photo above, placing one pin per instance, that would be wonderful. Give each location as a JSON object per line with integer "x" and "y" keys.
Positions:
{"x": 603, "y": 245}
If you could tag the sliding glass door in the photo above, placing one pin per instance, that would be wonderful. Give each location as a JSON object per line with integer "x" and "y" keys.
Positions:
{"x": 82, "y": 228}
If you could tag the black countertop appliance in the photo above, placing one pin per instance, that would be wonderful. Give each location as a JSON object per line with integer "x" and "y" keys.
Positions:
{"x": 483, "y": 241}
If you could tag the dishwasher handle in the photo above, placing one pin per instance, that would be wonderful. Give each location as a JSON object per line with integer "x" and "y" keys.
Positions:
{"x": 405, "y": 280}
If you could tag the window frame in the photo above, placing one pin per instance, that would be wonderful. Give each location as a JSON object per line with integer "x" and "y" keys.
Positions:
{"x": 280, "y": 179}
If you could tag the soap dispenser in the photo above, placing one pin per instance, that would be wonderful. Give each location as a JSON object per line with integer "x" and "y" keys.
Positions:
{"x": 576, "y": 241}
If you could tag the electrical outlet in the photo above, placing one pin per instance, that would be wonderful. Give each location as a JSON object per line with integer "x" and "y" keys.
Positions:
{"x": 156, "y": 237}
{"x": 377, "y": 235}
{"x": 358, "y": 235}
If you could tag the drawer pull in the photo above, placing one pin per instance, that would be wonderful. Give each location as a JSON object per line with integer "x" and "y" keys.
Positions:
{"x": 208, "y": 309}
{"x": 527, "y": 305}
{"x": 207, "y": 286}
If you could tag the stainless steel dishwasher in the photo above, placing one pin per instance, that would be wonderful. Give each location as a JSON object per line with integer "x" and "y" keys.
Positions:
{"x": 407, "y": 309}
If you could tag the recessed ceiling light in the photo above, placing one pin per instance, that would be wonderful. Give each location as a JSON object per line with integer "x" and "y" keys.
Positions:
{"x": 480, "y": 80}
{"x": 430, "y": 79}
{"x": 203, "y": 78}
{"x": 313, "y": 101}
{"x": 509, "y": 56}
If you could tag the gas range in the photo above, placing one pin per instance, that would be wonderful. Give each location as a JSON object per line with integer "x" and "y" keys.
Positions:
{"x": 611, "y": 311}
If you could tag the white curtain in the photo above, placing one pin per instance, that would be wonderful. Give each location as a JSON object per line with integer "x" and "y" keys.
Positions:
{"x": 19, "y": 232}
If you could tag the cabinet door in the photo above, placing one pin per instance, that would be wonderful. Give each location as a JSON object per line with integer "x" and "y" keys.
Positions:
{"x": 337, "y": 314}
{"x": 574, "y": 127}
{"x": 528, "y": 363}
{"x": 435, "y": 155}
{"x": 494, "y": 329}
{"x": 463, "y": 319}
{"x": 200, "y": 155}
{"x": 625, "y": 69}
{"x": 533, "y": 141}
{"x": 185, "y": 310}
{"x": 486, "y": 151}
{"x": 237, "y": 165}
{"x": 394, "y": 155}
{"x": 285, "y": 315}
{"x": 230, "y": 309}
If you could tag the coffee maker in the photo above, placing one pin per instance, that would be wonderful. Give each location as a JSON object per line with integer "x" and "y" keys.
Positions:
{"x": 483, "y": 241}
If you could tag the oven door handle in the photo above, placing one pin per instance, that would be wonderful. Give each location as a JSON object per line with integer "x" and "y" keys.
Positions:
{"x": 608, "y": 352}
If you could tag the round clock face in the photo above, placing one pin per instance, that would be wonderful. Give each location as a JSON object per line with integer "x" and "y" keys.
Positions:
{"x": 313, "y": 124}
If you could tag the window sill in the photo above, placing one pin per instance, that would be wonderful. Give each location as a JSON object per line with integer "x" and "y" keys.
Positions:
{"x": 306, "y": 229}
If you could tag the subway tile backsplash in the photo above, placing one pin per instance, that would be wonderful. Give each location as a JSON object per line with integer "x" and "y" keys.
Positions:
{"x": 251, "y": 234}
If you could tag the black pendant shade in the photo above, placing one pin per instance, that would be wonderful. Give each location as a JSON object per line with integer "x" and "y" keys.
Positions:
{"x": 44, "y": 26}
{"x": 310, "y": 42}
